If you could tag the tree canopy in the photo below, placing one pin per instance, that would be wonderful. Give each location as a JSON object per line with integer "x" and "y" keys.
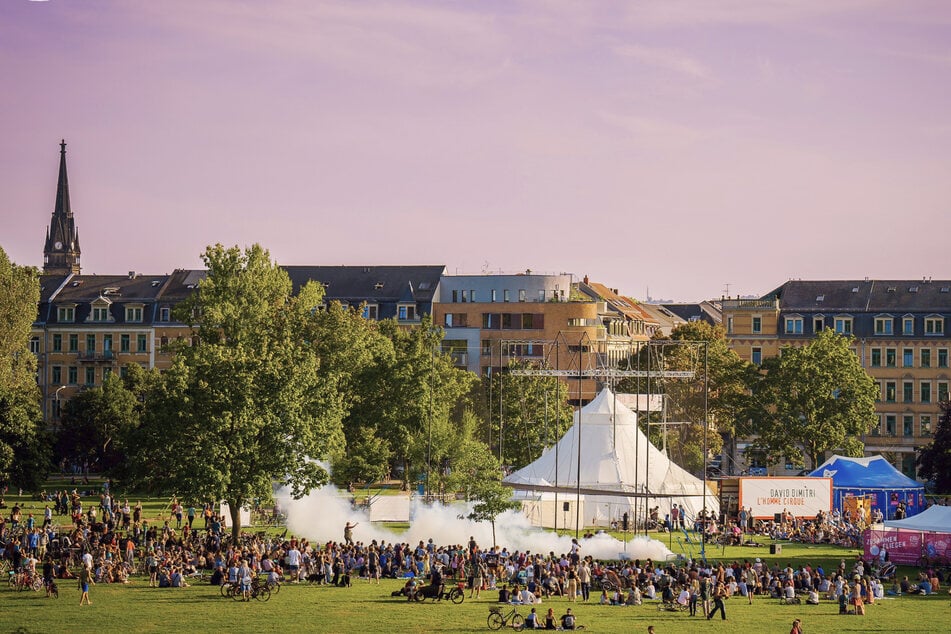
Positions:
{"x": 813, "y": 399}
{"x": 246, "y": 406}
{"x": 24, "y": 446}
{"x": 934, "y": 459}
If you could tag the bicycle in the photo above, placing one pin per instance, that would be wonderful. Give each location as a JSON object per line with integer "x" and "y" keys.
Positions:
{"x": 497, "y": 620}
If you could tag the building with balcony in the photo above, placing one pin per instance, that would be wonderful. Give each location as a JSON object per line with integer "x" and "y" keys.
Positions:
{"x": 492, "y": 319}
{"x": 900, "y": 330}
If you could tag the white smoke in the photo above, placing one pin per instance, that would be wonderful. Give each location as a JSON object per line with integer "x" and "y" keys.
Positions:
{"x": 321, "y": 516}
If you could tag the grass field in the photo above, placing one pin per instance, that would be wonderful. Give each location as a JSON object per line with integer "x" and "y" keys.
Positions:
{"x": 369, "y": 608}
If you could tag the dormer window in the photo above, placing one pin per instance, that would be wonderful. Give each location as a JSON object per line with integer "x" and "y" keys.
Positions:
{"x": 165, "y": 314}
{"x": 406, "y": 312}
{"x": 66, "y": 314}
{"x": 934, "y": 325}
{"x": 133, "y": 314}
{"x": 370, "y": 311}
{"x": 843, "y": 325}
{"x": 100, "y": 313}
{"x": 884, "y": 325}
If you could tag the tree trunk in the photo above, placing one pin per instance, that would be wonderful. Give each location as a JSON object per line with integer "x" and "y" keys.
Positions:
{"x": 493, "y": 534}
{"x": 234, "y": 507}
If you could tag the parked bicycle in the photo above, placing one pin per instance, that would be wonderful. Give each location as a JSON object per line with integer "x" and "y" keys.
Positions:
{"x": 497, "y": 619}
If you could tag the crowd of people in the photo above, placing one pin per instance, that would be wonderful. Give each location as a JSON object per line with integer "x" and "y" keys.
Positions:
{"x": 108, "y": 541}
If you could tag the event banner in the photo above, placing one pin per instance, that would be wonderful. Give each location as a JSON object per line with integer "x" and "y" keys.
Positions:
{"x": 802, "y": 497}
{"x": 903, "y": 547}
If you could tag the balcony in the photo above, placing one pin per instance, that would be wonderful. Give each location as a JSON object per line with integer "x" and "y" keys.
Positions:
{"x": 89, "y": 356}
{"x": 728, "y": 305}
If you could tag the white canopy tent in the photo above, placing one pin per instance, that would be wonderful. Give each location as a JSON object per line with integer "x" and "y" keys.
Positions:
{"x": 934, "y": 519}
{"x": 619, "y": 469}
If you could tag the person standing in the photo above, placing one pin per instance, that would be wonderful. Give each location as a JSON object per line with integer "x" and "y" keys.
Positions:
{"x": 85, "y": 578}
{"x": 718, "y": 596}
{"x": 584, "y": 579}
{"x": 348, "y": 532}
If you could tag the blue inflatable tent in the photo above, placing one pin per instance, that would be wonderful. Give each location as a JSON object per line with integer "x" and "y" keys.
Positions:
{"x": 872, "y": 475}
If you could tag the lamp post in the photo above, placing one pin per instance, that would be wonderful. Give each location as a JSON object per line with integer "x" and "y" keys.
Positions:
{"x": 56, "y": 399}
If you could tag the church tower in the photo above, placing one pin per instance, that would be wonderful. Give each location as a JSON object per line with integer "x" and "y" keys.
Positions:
{"x": 61, "y": 255}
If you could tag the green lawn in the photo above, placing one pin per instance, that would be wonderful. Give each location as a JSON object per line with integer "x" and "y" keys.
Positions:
{"x": 368, "y": 608}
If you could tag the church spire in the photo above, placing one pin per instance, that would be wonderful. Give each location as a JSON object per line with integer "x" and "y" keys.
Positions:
{"x": 61, "y": 255}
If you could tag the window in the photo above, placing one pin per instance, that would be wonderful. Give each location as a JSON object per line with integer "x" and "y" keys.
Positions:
{"x": 124, "y": 343}
{"x": 729, "y": 325}
{"x": 934, "y": 325}
{"x": 472, "y": 295}
{"x": 486, "y": 347}
{"x": 908, "y": 357}
{"x": 884, "y": 326}
{"x": 843, "y": 325}
{"x": 72, "y": 375}
{"x": 876, "y": 429}
{"x": 907, "y": 391}
{"x": 406, "y": 312}
{"x": 508, "y": 323}
{"x": 133, "y": 314}
{"x": 90, "y": 344}
{"x": 66, "y": 314}
{"x": 925, "y": 391}
{"x": 891, "y": 391}
{"x": 57, "y": 375}
{"x": 141, "y": 343}
{"x": 757, "y": 325}
{"x": 908, "y": 326}
{"x": 533, "y": 321}
{"x": 891, "y": 355}
{"x": 165, "y": 313}
{"x": 90, "y": 376}
{"x": 756, "y": 356}
{"x": 942, "y": 357}
{"x": 541, "y": 295}
{"x": 493, "y": 295}
{"x": 925, "y": 421}
{"x": 124, "y": 371}
{"x": 942, "y": 391}
{"x": 35, "y": 345}
{"x": 876, "y": 359}
{"x": 57, "y": 343}
{"x": 105, "y": 373}
{"x": 925, "y": 357}
{"x": 491, "y": 321}
{"x": 521, "y": 295}
{"x": 107, "y": 345}
{"x": 890, "y": 423}
{"x": 908, "y": 425}
{"x": 818, "y": 323}
{"x": 100, "y": 313}
{"x": 506, "y": 295}
{"x": 794, "y": 325}
{"x": 369, "y": 311}
{"x": 74, "y": 343}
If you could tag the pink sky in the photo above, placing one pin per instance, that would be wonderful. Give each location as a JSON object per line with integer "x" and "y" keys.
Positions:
{"x": 664, "y": 145}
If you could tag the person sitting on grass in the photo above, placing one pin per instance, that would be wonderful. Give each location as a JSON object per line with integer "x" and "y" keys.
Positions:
{"x": 568, "y": 620}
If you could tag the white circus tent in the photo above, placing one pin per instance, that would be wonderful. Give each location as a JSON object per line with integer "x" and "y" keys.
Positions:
{"x": 619, "y": 468}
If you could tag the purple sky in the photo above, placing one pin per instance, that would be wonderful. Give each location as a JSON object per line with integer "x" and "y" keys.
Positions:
{"x": 674, "y": 146}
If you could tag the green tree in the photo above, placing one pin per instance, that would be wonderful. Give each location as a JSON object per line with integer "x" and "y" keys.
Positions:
{"x": 24, "y": 446}
{"x": 246, "y": 406}
{"x": 813, "y": 399}
{"x": 413, "y": 395}
{"x": 534, "y": 409}
{"x": 700, "y": 348}
{"x": 366, "y": 459}
{"x": 485, "y": 489}
{"x": 934, "y": 459}
{"x": 96, "y": 423}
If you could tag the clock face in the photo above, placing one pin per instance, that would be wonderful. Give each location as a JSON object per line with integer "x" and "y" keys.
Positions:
{"x": 58, "y": 245}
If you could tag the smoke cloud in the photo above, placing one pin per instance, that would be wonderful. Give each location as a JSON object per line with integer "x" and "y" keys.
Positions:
{"x": 321, "y": 515}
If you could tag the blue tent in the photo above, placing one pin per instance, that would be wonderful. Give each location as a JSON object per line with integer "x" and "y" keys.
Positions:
{"x": 872, "y": 475}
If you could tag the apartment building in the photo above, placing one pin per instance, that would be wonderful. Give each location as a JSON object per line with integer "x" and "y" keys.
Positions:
{"x": 901, "y": 339}
{"x": 491, "y": 319}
